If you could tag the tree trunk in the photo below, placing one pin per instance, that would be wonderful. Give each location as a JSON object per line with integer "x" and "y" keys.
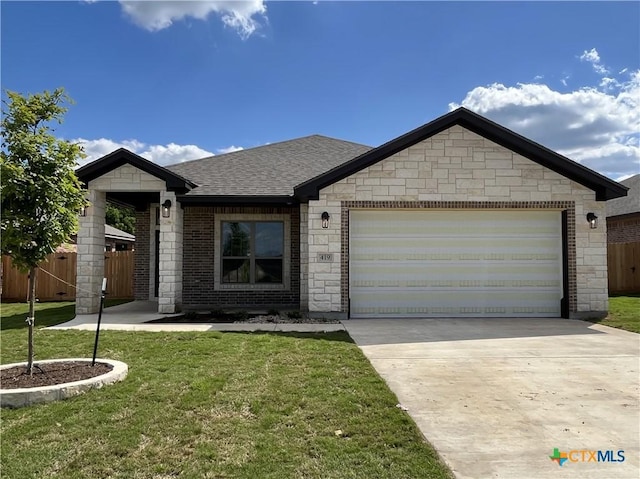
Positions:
{"x": 31, "y": 318}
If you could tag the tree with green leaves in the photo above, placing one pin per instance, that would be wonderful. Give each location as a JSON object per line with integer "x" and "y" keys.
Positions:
{"x": 39, "y": 191}
{"x": 120, "y": 217}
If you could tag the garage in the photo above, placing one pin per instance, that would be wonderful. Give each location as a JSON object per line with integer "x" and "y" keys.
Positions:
{"x": 455, "y": 263}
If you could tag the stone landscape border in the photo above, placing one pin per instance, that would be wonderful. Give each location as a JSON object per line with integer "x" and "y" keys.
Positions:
{"x": 15, "y": 398}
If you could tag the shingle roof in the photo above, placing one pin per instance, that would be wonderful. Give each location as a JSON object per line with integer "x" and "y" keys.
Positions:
{"x": 626, "y": 204}
{"x": 115, "y": 233}
{"x": 270, "y": 170}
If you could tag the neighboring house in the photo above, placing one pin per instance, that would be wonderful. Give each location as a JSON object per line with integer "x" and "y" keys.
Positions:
{"x": 114, "y": 240}
{"x": 623, "y": 238}
{"x": 118, "y": 240}
{"x": 458, "y": 218}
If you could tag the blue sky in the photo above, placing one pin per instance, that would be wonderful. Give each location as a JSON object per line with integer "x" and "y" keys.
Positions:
{"x": 175, "y": 81}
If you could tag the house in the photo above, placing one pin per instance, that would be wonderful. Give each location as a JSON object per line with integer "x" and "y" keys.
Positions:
{"x": 623, "y": 239}
{"x": 114, "y": 240}
{"x": 460, "y": 217}
{"x": 118, "y": 240}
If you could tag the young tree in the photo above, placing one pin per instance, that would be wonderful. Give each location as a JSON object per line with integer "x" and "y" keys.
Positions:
{"x": 39, "y": 191}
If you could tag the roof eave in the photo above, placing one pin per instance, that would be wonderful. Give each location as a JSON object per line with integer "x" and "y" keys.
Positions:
{"x": 237, "y": 200}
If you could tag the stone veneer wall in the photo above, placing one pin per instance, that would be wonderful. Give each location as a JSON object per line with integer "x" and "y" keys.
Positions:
{"x": 304, "y": 257}
{"x": 127, "y": 178}
{"x": 457, "y": 165}
{"x": 199, "y": 288}
{"x": 170, "y": 257}
{"x": 90, "y": 265}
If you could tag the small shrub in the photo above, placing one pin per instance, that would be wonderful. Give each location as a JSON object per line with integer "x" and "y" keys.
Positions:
{"x": 273, "y": 312}
{"x": 294, "y": 315}
{"x": 217, "y": 313}
{"x": 190, "y": 315}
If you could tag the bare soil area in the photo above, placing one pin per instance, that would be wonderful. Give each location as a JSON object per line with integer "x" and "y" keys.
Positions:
{"x": 49, "y": 374}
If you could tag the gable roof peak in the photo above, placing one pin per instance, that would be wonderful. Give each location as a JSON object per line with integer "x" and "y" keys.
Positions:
{"x": 122, "y": 156}
{"x": 604, "y": 187}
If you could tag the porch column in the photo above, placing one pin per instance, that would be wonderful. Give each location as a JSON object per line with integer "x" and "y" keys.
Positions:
{"x": 170, "y": 261}
{"x": 90, "y": 265}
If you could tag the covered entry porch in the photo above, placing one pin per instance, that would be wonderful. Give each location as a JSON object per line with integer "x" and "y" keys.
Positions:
{"x": 125, "y": 178}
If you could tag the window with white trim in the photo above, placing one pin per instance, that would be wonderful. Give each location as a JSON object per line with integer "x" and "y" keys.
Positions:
{"x": 252, "y": 252}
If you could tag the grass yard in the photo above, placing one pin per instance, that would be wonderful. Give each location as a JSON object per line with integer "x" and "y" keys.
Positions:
{"x": 624, "y": 313}
{"x": 13, "y": 315}
{"x": 213, "y": 405}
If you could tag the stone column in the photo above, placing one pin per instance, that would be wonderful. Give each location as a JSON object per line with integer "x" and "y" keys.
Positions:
{"x": 90, "y": 266}
{"x": 170, "y": 262}
{"x": 304, "y": 257}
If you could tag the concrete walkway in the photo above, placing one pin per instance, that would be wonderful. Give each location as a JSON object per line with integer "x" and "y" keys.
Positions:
{"x": 134, "y": 316}
{"x": 497, "y": 396}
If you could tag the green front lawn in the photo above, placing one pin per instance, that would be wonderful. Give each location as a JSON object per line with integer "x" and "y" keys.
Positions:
{"x": 13, "y": 315}
{"x": 624, "y": 313}
{"x": 218, "y": 405}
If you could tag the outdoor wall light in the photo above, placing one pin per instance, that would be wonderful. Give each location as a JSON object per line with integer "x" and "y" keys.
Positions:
{"x": 325, "y": 220}
{"x": 83, "y": 211}
{"x": 166, "y": 208}
{"x": 593, "y": 220}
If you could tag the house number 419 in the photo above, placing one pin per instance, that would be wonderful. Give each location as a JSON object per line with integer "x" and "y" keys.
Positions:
{"x": 325, "y": 257}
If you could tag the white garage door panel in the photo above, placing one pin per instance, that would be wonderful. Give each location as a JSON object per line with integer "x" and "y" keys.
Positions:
{"x": 460, "y": 263}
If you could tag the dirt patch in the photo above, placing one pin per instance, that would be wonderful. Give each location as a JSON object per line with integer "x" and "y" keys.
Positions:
{"x": 50, "y": 374}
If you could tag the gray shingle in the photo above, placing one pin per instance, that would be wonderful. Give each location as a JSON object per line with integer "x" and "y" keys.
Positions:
{"x": 626, "y": 204}
{"x": 269, "y": 170}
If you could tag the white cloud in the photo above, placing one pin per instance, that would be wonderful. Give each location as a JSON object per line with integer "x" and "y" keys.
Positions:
{"x": 157, "y": 15}
{"x": 609, "y": 83}
{"x": 229, "y": 149}
{"x": 159, "y": 154}
{"x": 592, "y": 56}
{"x": 597, "y": 126}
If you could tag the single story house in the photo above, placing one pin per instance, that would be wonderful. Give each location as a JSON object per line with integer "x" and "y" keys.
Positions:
{"x": 114, "y": 240}
{"x": 623, "y": 239}
{"x": 460, "y": 217}
{"x": 118, "y": 240}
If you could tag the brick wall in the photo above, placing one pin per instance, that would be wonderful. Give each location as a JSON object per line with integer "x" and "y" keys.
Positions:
{"x": 199, "y": 286}
{"x": 623, "y": 229}
{"x": 141, "y": 276}
{"x": 457, "y": 165}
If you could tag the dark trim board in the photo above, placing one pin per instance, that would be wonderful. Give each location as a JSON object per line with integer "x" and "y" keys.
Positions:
{"x": 604, "y": 188}
{"x": 564, "y": 304}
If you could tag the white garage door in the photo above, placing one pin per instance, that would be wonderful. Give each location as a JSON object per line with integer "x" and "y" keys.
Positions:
{"x": 484, "y": 263}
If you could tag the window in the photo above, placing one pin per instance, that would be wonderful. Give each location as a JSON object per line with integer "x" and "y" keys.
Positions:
{"x": 252, "y": 252}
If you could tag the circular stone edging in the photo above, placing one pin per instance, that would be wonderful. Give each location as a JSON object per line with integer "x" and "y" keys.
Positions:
{"x": 15, "y": 398}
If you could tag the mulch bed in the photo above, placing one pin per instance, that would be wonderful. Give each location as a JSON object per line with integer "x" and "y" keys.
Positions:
{"x": 49, "y": 374}
{"x": 205, "y": 318}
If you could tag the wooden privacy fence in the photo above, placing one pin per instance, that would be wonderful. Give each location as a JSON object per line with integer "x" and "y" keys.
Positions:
{"x": 623, "y": 261}
{"x": 118, "y": 269}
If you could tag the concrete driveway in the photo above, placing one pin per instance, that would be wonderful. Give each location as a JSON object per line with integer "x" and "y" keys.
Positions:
{"x": 497, "y": 396}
